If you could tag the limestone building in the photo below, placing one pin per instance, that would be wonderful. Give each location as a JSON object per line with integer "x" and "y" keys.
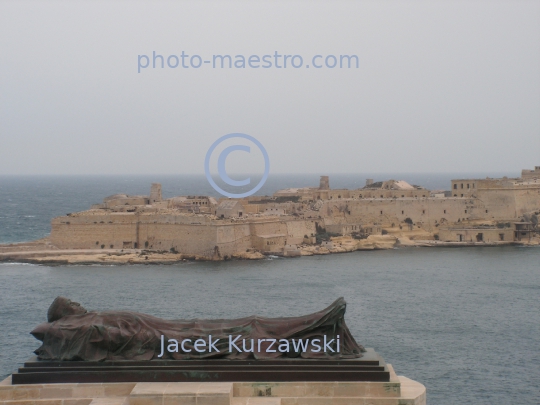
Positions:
{"x": 476, "y": 210}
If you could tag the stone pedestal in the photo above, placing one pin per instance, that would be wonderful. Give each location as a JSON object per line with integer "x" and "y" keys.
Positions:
{"x": 398, "y": 391}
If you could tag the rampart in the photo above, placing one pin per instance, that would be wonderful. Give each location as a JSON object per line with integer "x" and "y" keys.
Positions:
{"x": 199, "y": 225}
{"x": 189, "y": 234}
{"x": 427, "y": 212}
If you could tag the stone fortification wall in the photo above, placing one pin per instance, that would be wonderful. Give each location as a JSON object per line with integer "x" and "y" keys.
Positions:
{"x": 269, "y": 227}
{"x": 177, "y": 219}
{"x": 93, "y": 231}
{"x": 186, "y": 234}
{"x": 183, "y": 238}
{"x": 368, "y": 193}
{"x": 194, "y": 235}
{"x": 428, "y": 211}
{"x": 115, "y": 202}
{"x": 498, "y": 203}
{"x": 509, "y": 199}
{"x": 233, "y": 238}
{"x": 531, "y": 174}
{"x": 476, "y": 235}
{"x": 296, "y": 230}
{"x": 527, "y": 200}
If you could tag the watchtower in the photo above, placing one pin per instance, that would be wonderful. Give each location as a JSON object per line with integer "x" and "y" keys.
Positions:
{"x": 155, "y": 193}
{"x": 325, "y": 183}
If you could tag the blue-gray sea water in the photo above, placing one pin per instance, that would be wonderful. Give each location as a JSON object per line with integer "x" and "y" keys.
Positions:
{"x": 464, "y": 322}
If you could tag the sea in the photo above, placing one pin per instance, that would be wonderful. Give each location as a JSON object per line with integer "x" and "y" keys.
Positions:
{"x": 465, "y": 322}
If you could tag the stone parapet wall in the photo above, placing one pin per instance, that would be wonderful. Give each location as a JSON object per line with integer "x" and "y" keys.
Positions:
{"x": 77, "y": 235}
{"x": 193, "y": 235}
{"x": 427, "y": 211}
{"x": 296, "y": 230}
{"x": 190, "y": 239}
{"x": 233, "y": 238}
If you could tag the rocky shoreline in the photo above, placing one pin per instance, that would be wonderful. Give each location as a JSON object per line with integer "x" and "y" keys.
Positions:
{"x": 42, "y": 252}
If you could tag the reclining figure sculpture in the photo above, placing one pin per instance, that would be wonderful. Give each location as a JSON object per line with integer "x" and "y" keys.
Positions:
{"x": 72, "y": 333}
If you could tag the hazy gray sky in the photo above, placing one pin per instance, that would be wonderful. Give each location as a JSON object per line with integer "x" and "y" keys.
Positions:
{"x": 441, "y": 86}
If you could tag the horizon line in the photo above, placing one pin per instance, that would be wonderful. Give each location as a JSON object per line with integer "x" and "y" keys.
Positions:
{"x": 244, "y": 174}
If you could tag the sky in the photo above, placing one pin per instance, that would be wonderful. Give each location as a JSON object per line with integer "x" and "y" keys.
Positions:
{"x": 441, "y": 86}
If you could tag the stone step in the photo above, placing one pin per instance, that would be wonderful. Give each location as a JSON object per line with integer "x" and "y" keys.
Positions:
{"x": 69, "y": 401}
{"x": 64, "y": 391}
{"x": 181, "y": 393}
{"x": 256, "y": 401}
{"x": 318, "y": 389}
{"x": 64, "y": 401}
{"x": 323, "y": 401}
{"x": 110, "y": 401}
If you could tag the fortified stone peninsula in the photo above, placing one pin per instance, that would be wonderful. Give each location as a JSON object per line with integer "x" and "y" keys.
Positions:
{"x": 293, "y": 222}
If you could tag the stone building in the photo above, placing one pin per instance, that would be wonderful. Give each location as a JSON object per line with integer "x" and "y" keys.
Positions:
{"x": 531, "y": 174}
{"x": 476, "y": 234}
{"x": 155, "y": 193}
{"x": 194, "y": 204}
{"x": 229, "y": 209}
{"x": 478, "y": 210}
{"x": 324, "y": 183}
{"x": 361, "y": 230}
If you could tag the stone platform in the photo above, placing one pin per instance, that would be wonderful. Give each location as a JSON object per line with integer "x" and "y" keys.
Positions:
{"x": 398, "y": 391}
{"x": 370, "y": 367}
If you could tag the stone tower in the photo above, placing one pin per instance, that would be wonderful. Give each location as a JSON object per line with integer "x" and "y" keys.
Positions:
{"x": 325, "y": 183}
{"x": 369, "y": 182}
{"x": 155, "y": 193}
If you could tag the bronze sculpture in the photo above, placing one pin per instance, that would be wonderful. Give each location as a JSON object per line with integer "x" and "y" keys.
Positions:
{"x": 72, "y": 333}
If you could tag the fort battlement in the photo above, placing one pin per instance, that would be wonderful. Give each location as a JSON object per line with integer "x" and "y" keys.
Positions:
{"x": 204, "y": 226}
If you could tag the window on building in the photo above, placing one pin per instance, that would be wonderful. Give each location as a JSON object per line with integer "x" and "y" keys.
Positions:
{"x": 381, "y": 212}
{"x": 462, "y": 195}
{"x": 486, "y": 211}
{"x": 455, "y": 186}
{"x": 423, "y": 211}
{"x": 445, "y": 211}
{"x": 402, "y": 212}
{"x": 465, "y": 211}
{"x": 468, "y": 185}
{"x": 461, "y": 185}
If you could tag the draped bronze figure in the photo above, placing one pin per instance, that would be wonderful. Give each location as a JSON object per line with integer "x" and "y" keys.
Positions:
{"x": 73, "y": 333}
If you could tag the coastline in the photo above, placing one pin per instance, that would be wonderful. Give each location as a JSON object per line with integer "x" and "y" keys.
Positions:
{"x": 42, "y": 252}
